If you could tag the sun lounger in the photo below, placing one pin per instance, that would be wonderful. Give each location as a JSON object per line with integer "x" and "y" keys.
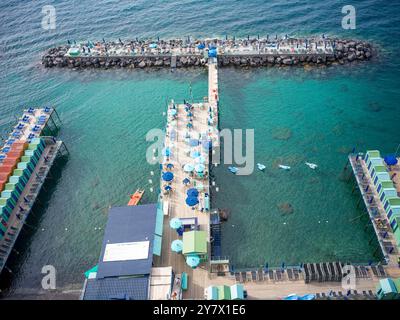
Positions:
{"x": 254, "y": 275}
{"x": 260, "y": 276}
{"x": 244, "y": 278}
{"x": 271, "y": 274}
{"x": 290, "y": 274}
{"x": 279, "y": 275}
{"x": 237, "y": 277}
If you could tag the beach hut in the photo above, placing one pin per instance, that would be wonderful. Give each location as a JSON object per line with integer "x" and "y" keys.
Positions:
{"x": 395, "y": 224}
{"x": 387, "y": 290}
{"x": 195, "y": 243}
{"x": 371, "y": 154}
{"x": 387, "y": 192}
{"x": 211, "y": 293}
{"x": 384, "y": 184}
{"x": 224, "y": 292}
{"x": 237, "y": 292}
{"x": 392, "y": 206}
{"x": 378, "y": 171}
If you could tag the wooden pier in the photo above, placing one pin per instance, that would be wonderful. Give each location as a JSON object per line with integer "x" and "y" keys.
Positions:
{"x": 32, "y": 125}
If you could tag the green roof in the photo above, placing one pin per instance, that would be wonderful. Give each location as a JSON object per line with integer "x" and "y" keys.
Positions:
{"x": 387, "y": 184}
{"x": 194, "y": 242}
{"x": 374, "y": 153}
{"x": 224, "y": 293}
{"x": 394, "y": 201}
{"x": 380, "y": 168}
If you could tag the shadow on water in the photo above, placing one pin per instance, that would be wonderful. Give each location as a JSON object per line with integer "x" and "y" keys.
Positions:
{"x": 40, "y": 206}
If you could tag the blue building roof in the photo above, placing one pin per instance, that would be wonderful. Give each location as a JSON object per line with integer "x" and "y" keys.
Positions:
{"x": 133, "y": 288}
{"x": 127, "y": 225}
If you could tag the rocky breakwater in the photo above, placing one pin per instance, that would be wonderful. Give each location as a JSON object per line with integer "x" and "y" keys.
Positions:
{"x": 345, "y": 51}
{"x": 57, "y": 58}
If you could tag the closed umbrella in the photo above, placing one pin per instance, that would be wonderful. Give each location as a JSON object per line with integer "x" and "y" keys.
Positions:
{"x": 167, "y": 176}
{"x": 192, "y": 192}
{"x": 177, "y": 245}
{"x": 193, "y": 261}
{"x": 188, "y": 167}
{"x": 199, "y": 167}
{"x": 166, "y": 152}
{"x": 175, "y": 223}
{"x": 192, "y": 201}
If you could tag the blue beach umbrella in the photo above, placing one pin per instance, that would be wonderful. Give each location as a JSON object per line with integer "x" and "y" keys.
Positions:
{"x": 292, "y": 297}
{"x": 189, "y": 114}
{"x": 167, "y": 188}
{"x": 194, "y": 154}
{"x": 199, "y": 167}
{"x": 167, "y": 176}
{"x": 200, "y": 159}
{"x": 166, "y": 152}
{"x": 188, "y": 167}
{"x": 207, "y": 144}
{"x": 192, "y": 192}
{"x": 189, "y": 125}
{"x": 193, "y": 260}
{"x": 201, "y": 46}
{"x": 307, "y": 297}
{"x": 186, "y": 181}
{"x": 177, "y": 245}
{"x": 170, "y": 165}
{"x": 175, "y": 223}
{"x": 193, "y": 142}
{"x": 390, "y": 160}
{"x": 192, "y": 201}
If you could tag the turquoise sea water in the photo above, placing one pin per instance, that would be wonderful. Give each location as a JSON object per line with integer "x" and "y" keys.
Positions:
{"x": 106, "y": 114}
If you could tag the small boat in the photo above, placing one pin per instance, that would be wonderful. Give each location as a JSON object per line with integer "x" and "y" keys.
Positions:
{"x": 260, "y": 166}
{"x": 233, "y": 169}
{"x": 311, "y": 165}
{"x": 136, "y": 197}
{"x": 284, "y": 167}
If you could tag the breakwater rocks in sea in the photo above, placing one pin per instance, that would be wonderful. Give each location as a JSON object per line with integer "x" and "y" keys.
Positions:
{"x": 284, "y": 54}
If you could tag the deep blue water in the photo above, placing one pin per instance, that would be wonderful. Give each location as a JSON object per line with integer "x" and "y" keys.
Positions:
{"x": 106, "y": 115}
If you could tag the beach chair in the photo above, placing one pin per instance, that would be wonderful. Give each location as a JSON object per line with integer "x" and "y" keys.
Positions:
{"x": 278, "y": 275}
{"x": 254, "y": 275}
{"x": 260, "y": 275}
{"x": 271, "y": 274}
{"x": 237, "y": 277}
{"x": 296, "y": 274}
{"x": 244, "y": 277}
{"x": 290, "y": 274}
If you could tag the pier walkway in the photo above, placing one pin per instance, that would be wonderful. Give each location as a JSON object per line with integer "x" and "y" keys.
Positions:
{"x": 176, "y": 139}
{"x": 377, "y": 215}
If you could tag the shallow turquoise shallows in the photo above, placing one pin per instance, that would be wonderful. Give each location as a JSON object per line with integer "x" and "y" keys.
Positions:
{"x": 298, "y": 115}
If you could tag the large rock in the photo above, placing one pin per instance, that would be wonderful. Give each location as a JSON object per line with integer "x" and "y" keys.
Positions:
{"x": 287, "y": 61}
{"x": 142, "y": 64}
{"x": 351, "y": 57}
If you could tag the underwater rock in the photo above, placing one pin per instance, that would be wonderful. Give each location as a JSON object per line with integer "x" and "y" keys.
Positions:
{"x": 285, "y": 208}
{"x": 282, "y": 134}
{"x": 374, "y": 107}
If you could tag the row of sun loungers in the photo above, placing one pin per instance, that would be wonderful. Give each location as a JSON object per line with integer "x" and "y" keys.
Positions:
{"x": 291, "y": 274}
{"x": 346, "y": 295}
